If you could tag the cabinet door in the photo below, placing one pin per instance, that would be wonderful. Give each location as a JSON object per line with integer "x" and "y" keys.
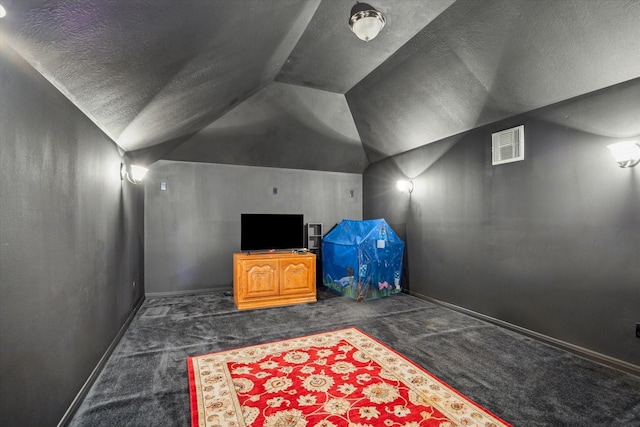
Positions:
{"x": 260, "y": 278}
{"x": 297, "y": 276}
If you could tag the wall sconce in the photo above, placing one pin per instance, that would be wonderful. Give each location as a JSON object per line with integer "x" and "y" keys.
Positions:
{"x": 405, "y": 186}
{"x": 135, "y": 176}
{"x": 365, "y": 21}
{"x": 626, "y": 153}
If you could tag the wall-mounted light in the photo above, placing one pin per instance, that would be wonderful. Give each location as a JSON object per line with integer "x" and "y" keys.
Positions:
{"x": 405, "y": 186}
{"x": 3, "y": 12}
{"x": 365, "y": 21}
{"x": 626, "y": 153}
{"x": 134, "y": 174}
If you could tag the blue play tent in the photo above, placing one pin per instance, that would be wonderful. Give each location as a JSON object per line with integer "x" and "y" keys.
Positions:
{"x": 362, "y": 259}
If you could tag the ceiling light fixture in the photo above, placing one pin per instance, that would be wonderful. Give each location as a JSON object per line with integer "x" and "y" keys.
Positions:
{"x": 626, "y": 153}
{"x": 365, "y": 21}
{"x": 3, "y": 12}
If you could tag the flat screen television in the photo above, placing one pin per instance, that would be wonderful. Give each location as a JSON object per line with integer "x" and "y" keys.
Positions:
{"x": 271, "y": 231}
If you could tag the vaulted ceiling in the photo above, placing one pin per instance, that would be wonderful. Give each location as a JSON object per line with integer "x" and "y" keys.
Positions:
{"x": 284, "y": 83}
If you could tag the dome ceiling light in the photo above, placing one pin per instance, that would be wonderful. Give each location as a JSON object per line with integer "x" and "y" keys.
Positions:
{"x": 365, "y": 21}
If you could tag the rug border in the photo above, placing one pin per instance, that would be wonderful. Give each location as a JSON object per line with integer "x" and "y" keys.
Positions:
{"x": 192, "y": 380}
{"x": 193, "y": 403}
{"x": 436, "y": 378}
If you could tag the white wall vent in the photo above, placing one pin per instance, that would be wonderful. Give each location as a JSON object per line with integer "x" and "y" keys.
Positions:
{"x": 508, "y": 145}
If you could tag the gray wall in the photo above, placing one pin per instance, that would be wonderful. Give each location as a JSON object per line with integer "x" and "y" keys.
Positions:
{"x": 70, "y": 247}
{"x": 550, "y": 244}
{"x": 193, "y": 228}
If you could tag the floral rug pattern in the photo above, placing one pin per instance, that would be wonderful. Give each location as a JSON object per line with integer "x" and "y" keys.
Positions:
{"x": 338, "y": 378}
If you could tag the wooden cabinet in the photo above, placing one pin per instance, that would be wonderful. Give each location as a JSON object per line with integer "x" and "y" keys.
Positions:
{"x": 271, "y": 279}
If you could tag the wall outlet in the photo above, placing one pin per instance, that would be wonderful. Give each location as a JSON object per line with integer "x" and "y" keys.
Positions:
{"x": 637, "y": 330}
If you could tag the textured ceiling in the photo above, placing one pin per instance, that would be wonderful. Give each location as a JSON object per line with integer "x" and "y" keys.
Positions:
{"x": 329, "y": 57}
{"x": 284, "y": 83}
{"x": 313, "y": 127}
{"x": 483, "y": 61}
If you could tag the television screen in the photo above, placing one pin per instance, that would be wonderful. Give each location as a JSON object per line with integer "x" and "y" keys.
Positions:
{"x": 271, "y": 231}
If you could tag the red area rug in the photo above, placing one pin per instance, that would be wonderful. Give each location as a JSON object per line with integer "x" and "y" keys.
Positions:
{"x": 338, "y": 378}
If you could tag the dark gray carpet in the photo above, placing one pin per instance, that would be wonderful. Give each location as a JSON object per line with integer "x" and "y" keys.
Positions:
{"x": 525, "y": 382}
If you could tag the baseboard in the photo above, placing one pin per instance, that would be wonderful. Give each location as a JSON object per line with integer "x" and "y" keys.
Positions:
{"x": 594, "y": 356}
{"x": 66, "y": 418}
{"x": 221, "y": 288}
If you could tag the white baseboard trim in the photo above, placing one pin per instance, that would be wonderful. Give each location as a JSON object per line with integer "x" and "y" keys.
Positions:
{"x": 594, "y": 356}
{"x": 66, "y": 418}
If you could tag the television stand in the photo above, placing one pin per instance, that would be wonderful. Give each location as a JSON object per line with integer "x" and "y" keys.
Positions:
{"x": 267, "y": 279}
{"x": 300, "y": 251}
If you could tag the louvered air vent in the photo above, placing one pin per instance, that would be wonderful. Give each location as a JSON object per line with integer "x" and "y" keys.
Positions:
{"x": 508, "y": 145}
